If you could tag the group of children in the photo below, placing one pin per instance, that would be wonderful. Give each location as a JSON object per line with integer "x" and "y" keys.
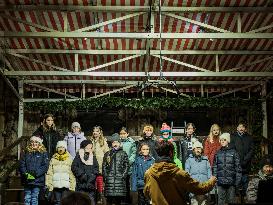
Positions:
{"x": 93, "y": 167}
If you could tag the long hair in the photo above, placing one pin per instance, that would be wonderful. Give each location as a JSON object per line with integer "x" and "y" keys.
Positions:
{"x": 211, "y": 130}
{"x": 141, "y": 145}
{"x": 101, "y": 137}
{"x": 45, "y": 126}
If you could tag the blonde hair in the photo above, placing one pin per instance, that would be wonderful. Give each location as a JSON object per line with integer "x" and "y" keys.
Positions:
{"x": 211, "y": 130}
{"x": 148, "y": 127}
{"x": 101, "y": 137}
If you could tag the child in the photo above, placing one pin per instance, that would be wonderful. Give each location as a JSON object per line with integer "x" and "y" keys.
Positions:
{"x": 74, "y": 139}
{"x": 115, "y": 170}
{"x": 149, "y": 138}
{"x": 199, "y": 168}
{"x": 85, "y": 167}
{"x": 227, "y": 169}
{"x": 48, "y": 133}
{"x": 33, "y": 166}
{"x": 166, "y": 136}
{"x": 59, "y": 177}
{"x": 141, "y": 164}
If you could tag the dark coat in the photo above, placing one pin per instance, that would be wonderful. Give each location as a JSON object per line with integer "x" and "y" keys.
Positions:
{"x": 152, "y": 145}
{"x": 139, "y": 168}
{"x": 50, "y": 139}
{"x": 115, "y": 168}
{"x": 226, "y": 167}
{"x": 36, "y": 164}
{"x": 85, "y": 174}
{"x": 245, "y": 148}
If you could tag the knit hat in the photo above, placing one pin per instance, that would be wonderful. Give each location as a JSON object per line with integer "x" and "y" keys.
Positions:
{"x": 165, "y": 128}
{"x": 37, "y": 139}
{"x": 114, "y": 137}
{"x": 84, "y": 143}
{"x": 197, "y": 144}
{"x": 225, "y": 136}
{"x": 61, "y": 144}
{"x": 75, "y": 124}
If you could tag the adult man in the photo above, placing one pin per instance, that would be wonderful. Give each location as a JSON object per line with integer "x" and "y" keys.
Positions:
{"x": 166, "y": 184}
{"x": 242, "y": 142}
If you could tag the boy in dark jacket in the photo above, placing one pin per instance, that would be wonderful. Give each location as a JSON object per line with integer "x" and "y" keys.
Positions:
{"x": 227, "y": 169}
{"x": 141, "y": 164}
{"x": 33, "y": 166}
{"x": 85, "y": 167}
{"x": 115, "y": 168}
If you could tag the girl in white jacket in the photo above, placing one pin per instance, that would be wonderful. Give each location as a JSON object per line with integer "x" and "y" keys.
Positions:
{"x": 59, "y": 177}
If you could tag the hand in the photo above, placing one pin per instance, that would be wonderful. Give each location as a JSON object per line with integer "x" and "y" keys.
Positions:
{"x": 213, "y": 179}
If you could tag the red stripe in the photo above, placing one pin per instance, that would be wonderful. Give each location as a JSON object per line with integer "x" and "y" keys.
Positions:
{"x": 88, "y": 18}
{"x": 79, "y": 20}
{"x": 75, "y": 2}
{"x": 12, "y": 43}
{"x": 122, "y": 2}
{"x": 104, "y": 17}
{"x": 16, "y": 24}
{"x": 22, "y": 45}
{"x": 34, "y": 20}
{"x": 66, "y": 61}
{"x": 60, "y": 19}
{"x": 95, "y": 60}
{"x": 52, "y": 20}
{"x": 70, "y": 21}
{"x": 84, "y": 45}
{"x": 88, "y": 61}
{"x": 80, "y": 61}
{"x": 92, "y": 43}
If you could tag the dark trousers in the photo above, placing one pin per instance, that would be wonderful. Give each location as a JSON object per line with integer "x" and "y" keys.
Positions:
{"x": 142, "y": 200}
{"x": 58, "y": 195}
{"x": 244, "y": 183}
{"x": 226, "y": 194}
{"x": 128, "y": 185}
{"x": 90, "y": 193}
{"x": 117, "y": 200}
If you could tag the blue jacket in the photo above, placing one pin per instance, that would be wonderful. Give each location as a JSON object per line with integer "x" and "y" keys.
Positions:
{"x": 129, "y": 146}
{"x": 199, "y": 169}
{"x": 35, "y": 163}
{"x": 139, "y": 168}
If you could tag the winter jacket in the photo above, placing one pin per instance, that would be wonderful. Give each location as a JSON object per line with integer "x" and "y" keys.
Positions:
{"x": 59, "y": 174}
{"x": 99, "y": 152}
{"x": 73, "y": 142}
{"x": 151, "y": 141}
{"x": 166, "y": 184}
{"x": 129, "y": 146}
{"x": 50, "y": 138}
{"x": 115, "y": 170}
{"x": 198, "y": 168}
{"x": 252, "y": 189}
{"x": 84, "y": 172}
{"x": 185, "y": 148}
{"x": 243, "y": 144}
{"x": 210, "y": 149}
{"x": 140, "y": 166}
{"x": 226, "y": 167}
{"x": 35, "y": 163}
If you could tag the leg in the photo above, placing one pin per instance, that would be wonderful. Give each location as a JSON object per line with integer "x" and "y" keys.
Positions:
{"x": 244, "y": 182}
{"x": 142, "y": 200}
{"x": 57, "y": 196}
{"x": 91, "y": 194}
{"x": 35, "y": 195}
{"x": 128, "y": 197}
{"x": 221, "y": 195}
{"x": 27, "y": 197}
{"x": 231, "y": 194}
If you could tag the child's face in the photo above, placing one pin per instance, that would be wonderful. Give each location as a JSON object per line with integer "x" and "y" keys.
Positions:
{"x": 145, "y": 150}
{"x": 190, "y": 130}
{"x": 123, "y": 134}
{"x": 96, "y": 132}
{"x": 116, "y": 144}
{"x": 164, "y": 124}
{"x": 61, "y": 150}
{"x": 215, "y": 131}
{"x": 165, "y": 134}
{"x": 76, "y": 130}
{"x": 223, "y": 142}
{"x": 89, "y": 148}
{"x": 148, "y": 132}
{"x": 268, "y": 169}
{"x": 197, "y": 151}
{"x": 241, "y": 128}
{"x": 34, "y": 144}
{"x": 49, "y": 121}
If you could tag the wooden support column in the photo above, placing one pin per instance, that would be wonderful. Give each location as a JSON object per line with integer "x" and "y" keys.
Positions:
{"x": 264, "y": 109}
{"x": 21, "y": 114}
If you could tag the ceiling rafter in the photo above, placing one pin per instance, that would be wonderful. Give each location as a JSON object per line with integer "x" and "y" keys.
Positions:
{"x": 232, "y": 91}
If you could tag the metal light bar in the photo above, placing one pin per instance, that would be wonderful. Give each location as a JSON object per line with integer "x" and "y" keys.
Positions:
{"x": 232, "y": 91}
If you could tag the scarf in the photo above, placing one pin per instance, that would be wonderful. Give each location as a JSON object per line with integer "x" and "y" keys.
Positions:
{"x": 61, "y": 157}
{"x": 41, "y": 148}
{"x": 88, "y": 161}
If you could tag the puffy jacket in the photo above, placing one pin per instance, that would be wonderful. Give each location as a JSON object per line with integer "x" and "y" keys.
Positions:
{"x": 166, "y": 184}
{"x": 35, "y": 163}
{"x": 115, "y": 170}
{"x": 199, "y": 169}
{"x": 99, "y": 151}
{"x": 226, "y": 167}
{"x": 73, "y": 142}
{"x": 50, "y": 138}
{"x": 85, "y": 174}
{"x": 59, "y": 174}
{"x": 152, "y": 145}
{"x": 210, "y": 149}
{"x": 243, "y": 144}
{"x": 140, "y": 166}
{"x": 185, "y": 148}
{"x": 129, "y": 146}
{"x": 252, "y": 189}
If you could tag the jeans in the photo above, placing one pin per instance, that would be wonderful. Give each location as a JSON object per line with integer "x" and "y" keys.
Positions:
{"x": 226, "y": 194}
{"x": 244, "y": 183}
{"x": 31, "y": 195}
{"x": 58, "y": 194}
{"x": 142, "y": 200}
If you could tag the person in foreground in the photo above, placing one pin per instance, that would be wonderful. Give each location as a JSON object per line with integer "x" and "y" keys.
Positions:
{"x": 166, "y": 184}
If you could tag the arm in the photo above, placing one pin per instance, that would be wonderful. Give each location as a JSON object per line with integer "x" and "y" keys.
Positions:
{"x": 104, "y": 164}
{"x": 187, "y": 166}
{"x": 147, "y": 187}
{"x": 44, "y": 165}
{"x": 49, "y": 175}
{"x": 125, "y": 165}
{"x": 208, "y": 169}
{"x": 22, "y": 165}
{"x": 75, "y": 167}
{"x": 214, "y": 167}
{"x": 133, "y": 154}
{"x": 206, "y": 148}
{"x": 238, "y": 169}
{"x": 105, "y": 147}
{"x": 248, "y": 156}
